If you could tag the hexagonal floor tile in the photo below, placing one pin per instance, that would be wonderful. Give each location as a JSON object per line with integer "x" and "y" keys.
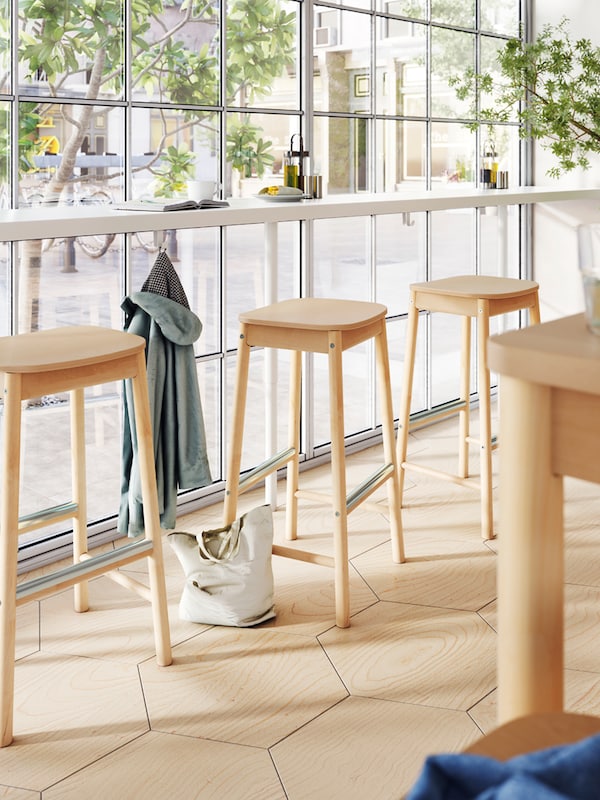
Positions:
{"x": 582, "y": 621}
{"x": 439, "y": 571}
{"x": 196, "y": 767}
{"x": 246, "y": 686}
{"x": 365, "y": 748}
{"x": 68, "y": 713}
{"x": 27, "y": 640}
{"x": 10, "y": 793}
{"x": 415, "y": 654}
{"x": 118, "y": 626}
{"x": 582, "y": 696}
{"x": 305, "y": 597}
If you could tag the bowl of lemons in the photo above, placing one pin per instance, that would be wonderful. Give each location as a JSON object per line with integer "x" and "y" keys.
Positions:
{"x": 280, "y": 194}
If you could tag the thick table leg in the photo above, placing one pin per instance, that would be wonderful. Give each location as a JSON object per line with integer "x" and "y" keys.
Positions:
{"x": 531, "y": 558}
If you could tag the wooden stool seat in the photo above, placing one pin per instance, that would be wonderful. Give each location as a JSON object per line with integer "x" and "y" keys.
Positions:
{"x": 48, "y": 362}
{"x": 477, "y": 297}
{"x": 317, "y": 325}
{"x": 535, "y": 732}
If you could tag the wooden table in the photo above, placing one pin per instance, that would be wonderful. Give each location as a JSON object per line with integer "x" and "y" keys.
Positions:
{"x": 549, "y": 427}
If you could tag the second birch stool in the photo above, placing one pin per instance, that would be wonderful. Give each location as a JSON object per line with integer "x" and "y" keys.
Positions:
{"x": 477, "y": 297}
{"x": 317, "y": 325}
{"x": 48, "y": 362}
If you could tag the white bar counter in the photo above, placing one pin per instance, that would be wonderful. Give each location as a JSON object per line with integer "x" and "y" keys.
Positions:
{"x": 41, "y": 222}
{"x": 549, "y": 427}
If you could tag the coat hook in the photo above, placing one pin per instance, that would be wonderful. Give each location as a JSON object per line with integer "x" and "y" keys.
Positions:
{"x": 160, "y": 240}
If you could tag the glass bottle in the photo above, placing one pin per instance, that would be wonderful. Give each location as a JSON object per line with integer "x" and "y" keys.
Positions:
{"x": 290, "y": 171}
{"x": 490, "y": 165}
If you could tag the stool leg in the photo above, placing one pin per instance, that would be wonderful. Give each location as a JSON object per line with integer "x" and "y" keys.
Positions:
{"x": 534, "y": 311}
{"x": 338, "y": 477}
{"x": 79, "y": 483}
{"x": 156, "y": 571}
{"x": 295, "y": 400}
{"x": 464, "y": 415}
{"x": 407, "y": 381}
{"x": 9, "y": 544}
{"x": 237, "y": 430}
{"x": 485, "y": 420}
{"x": 389, "y": 448}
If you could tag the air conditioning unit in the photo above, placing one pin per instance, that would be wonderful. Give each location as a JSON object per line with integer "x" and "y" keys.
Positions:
{"x": 324, "y": 37}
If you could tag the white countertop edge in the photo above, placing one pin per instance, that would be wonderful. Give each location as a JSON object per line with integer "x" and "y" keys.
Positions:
{"x": 60, "y": 221}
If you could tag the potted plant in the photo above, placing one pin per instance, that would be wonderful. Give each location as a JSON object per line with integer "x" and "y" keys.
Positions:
{"x": 551, "y": 85}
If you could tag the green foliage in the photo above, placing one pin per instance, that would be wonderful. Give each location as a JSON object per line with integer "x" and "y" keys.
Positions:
{"x": 247, "y": 151}
{"x": 260, "y": 44}
{"x": 60, "y": 39}
{"x": 177, "y": 166}
{"x": 551, "y": 86}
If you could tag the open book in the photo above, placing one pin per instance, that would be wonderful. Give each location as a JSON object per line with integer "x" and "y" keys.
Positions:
{"x": 168, "y": 205}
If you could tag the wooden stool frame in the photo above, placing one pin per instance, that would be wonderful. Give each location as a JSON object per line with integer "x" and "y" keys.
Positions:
{"x": 48, "y": 362}
{"x": 471, "y": 297}
{"x": 319, "y": 326}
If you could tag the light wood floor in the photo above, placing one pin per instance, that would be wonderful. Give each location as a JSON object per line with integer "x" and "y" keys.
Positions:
{"x": 295, "y": 708}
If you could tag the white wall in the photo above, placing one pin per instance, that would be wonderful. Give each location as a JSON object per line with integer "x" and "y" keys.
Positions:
{"x": 554, "y": 234}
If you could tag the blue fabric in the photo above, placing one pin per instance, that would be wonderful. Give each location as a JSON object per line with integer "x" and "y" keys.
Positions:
{"x": 568, "y": 771}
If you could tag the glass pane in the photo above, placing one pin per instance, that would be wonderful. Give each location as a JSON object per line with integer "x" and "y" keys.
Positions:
{"x": 5, "y": 48}
{"x": 253, "y": 447}
{"x": 452, "y": 243}
{"x": 500, "y": 16}
{"x": 256, "y": 144}
{"x": 364, "y": 4}
{"x": 416, "y": 9}
{"x": 70, "y": 282}
{"x": 5, "y": 303}
{"x": 342, "y": 65}
{"x": 74, "y": 153}
{"x": 341, "y": 153}
{"x": 74, "y": 50}
{"x": 445, "y": 357}
{"x": 458, "y": 12}
{"x": 5, "y": 154}
{"x": 401, "y": 75}
{"x": 42, "y": 484}
{"x": 452, "y": 153}
{"x": 358, "y": 393}
{"x": 401, "y": 258}
{"x": 172, "y": 147}
{"x": 209, "y": 383}
{"x": 489, "y": 64}
{"x": 452, "y": 53}
{"x": 262, "y": 54}
{"x": 175, "y": 53}
{"x": 401, "y": 155}
{"x": 342, "y": 263}
{"x": 245, "y": 271}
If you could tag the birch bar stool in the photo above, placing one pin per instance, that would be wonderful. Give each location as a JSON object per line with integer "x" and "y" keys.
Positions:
{"x": 469, "y": 296}
{"x": 59, "y": 360}
{"x": 317, "y": 325}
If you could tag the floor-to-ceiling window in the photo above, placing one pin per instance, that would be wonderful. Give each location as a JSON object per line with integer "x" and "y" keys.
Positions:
{"x": 135, "y": 98}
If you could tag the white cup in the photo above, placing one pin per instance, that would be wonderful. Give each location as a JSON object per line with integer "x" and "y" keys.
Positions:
{"x": 201, "y": 190}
